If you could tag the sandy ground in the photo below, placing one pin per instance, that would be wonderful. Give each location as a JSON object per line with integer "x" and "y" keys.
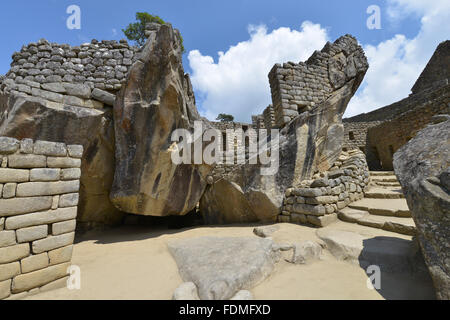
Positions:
{"x": 134, "y": 263}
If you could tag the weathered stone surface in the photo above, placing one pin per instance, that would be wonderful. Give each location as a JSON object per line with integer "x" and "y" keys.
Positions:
{"x": 34, "y": 262}
{"x": 32, "y": 233}
{"x": 311, "y": 142}
{"x": 53, "y": 242}
{"x": 38, "y": 119}
{"x": 14, "y": 253}
{"x": 8, "y": 145}
{"x": 50, "y": 148}
{"x": 75, "y": 151}
{"x": 60, "y": 162}
{"x": 5, "y": 289}
{"x": 243, "y": 295}
{"x": 70, "y": 174}
{"x": 68, "y": 200}
{"x": 44, "y": 175}
{"x": 306, "y": 252}
{"x": 60, "y": 255}
{"x": 265, "y": 232}
{"x": 39, "y": 278}
{"x": 9, "y": 190}
{"x": 16, "y": 206}
{"x": 322, "y": 221}
{"x": 32, "y": 189}
{"x": 146, "y": 181}
{"x": 39, "y": 218}
{"x": 9, "y": 270}
{"x": 104, "y": 96}
{"x": 13, "y": 175}
{"x": 186, "y": 291}
{"x": 220, "y": 267}
{"x": 63, "y": 227}
{"x": 27, "y": 161}
{"x": 423, "y": 169}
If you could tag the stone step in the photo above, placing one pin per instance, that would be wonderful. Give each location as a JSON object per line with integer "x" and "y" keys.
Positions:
{"x": 382, "y": 173}
{"x": 387, "y": 184}
{"x": 378, "y": 192}
{"x": 384, "y": 179}
{"x": 383, "y": 207}
{"x": 399, "y": 225}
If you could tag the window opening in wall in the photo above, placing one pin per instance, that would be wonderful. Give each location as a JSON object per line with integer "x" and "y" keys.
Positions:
{"x": 351, "y": 135}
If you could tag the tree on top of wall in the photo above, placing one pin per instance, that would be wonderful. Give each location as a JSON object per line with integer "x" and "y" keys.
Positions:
{"x": 225, "y": 117}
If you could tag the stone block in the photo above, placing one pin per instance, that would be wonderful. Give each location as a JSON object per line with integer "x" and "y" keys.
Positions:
{"x": 27, "y": 161}
{"x": 322, "y": 221}
{"x": 308, "y": 192}
{"x": 7, "y": 238}
{"x": 58, "y": 162}
{"x": 8, "y": 145}
{"x": 53, "y": 242}
{"x": 71, "y": 174}
{"x": 5, "y": 289}
{"x": 307, "y": 209}
{"x": 64, "y": 227}
{"x": 14, "y": 175}
{"x": 103, "y": 96}
{"x": 298, "y": 218}
{"x": 34, "y": 262}
{"x": 50, "y": 148}
{"x": 16, "y": 206}
{"x": 57, "y": 284}
{"x": 14, "y": 253}
{"x": 39, "y": 218}
{"x": 28, "y": 281}
{"x": 78, "y": 90}
{"x": 322, "y": 200}
{"x": 60, "y": 255}
{"x": 44, "y": 175}
{"x": 2, "y": 223}
{"x": 75, "y": 151}
{"x": 32, "y": 189}
{"x": 32, "y": 233}
{"x": 9, "y": 270}
{"x": 9, "y": 190}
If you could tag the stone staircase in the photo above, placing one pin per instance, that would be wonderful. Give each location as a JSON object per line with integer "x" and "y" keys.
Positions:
{"x": 384, "y": 206}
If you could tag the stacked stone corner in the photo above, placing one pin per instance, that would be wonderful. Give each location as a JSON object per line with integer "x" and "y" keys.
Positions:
{"x": 39, "y": 193}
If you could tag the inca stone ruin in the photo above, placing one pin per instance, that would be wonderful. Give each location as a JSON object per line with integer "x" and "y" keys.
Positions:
{"x": 86, "y": 145}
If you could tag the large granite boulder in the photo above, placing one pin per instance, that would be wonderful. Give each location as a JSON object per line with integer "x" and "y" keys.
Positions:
{"x": 308, "y": 144}
{"x": 423, "y": 169}
{"x": 156, "y": 99}
{"x": 24, "y": 116}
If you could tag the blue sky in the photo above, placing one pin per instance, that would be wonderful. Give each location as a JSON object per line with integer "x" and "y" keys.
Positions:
{"x": 209, "y": 27}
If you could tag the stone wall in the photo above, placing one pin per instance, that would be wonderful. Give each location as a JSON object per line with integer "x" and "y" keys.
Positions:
{"x": 101, "y": 65}
{"x": 85, "y": 76}
{"x": 298, "y": 87}
{"x": 39, "y": 184}
{"x": 269, "y": 117}
{"x": 318, "y": 201}
{"x": 390, "y": 135}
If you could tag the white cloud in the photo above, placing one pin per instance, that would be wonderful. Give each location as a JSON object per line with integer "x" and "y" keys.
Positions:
{"x": 395, "y": 64}
{"x": 237, "y": 83}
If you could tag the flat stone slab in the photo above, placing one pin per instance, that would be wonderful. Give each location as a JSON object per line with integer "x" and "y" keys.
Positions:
{"x": 383, "y": 207}
{"x": 389, "y": 253}
{"x": 382, "y": 173}
{"x": 220, "y": 267}
{"x": 384, "y": 193}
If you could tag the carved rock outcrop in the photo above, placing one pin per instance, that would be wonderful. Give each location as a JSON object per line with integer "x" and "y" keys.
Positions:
{"x": 156, "y": 99}
{"x": 310, "y": 141}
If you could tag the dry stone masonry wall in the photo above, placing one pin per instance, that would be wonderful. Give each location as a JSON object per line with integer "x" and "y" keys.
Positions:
{"x": 85, "y": 76}
{"x": 318, "y": 201}
{"x": 39, "y": 185}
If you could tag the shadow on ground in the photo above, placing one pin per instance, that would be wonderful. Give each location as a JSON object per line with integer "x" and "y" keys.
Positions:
{"x": 403, "y": 273}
